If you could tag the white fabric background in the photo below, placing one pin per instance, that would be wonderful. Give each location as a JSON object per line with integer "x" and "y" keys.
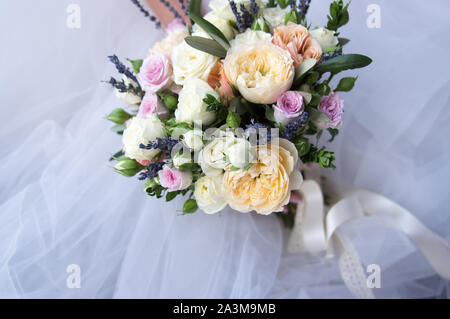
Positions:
{"x": 61, "y": 203}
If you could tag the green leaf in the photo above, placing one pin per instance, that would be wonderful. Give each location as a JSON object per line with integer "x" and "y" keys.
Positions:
{"x": 346, "y": 84}
{"x": 283, "y": 3}
{"x": 206, "y": 45}
{"x": 195, "y": 7}
{"x": 333, "y": 132}
{"x": 119, "y": 116}
{"x": 212, "y": 31}
{"x": 136, "y": 64}
{"x": 270, "y": 113}
{"x": 344, "y": 62}
{"x": 343, "y": 41}
{"x": 190, "y": 206}
{"x": 302, "y": 70}
{"x": 117, "y": 155}
{"x": 233, "y": 119}
{"x": 317, "y": 116}
{"x": 171, "y": 195}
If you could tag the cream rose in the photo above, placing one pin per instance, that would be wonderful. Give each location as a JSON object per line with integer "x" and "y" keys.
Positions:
{"x": 275, "y": 16}
{"x": 142, "y": 131}
{"x": 220, "y": 23}
{"x": 222, "y": 8}
{"x": 265, "y": 187}
{"x": 194, "y": 140}
{"x": 190, "y": 103}
{"x": 212, "y": 158}
{"x": 261, "y": 71}
{"x": 251, "y": 37}
{"x": 191, "y": 63}
{"x": 209, "y": 194}
{"x": 170, "y": 41}
{"x": 129, "y": 98}
{"x": 325, "y": 37}
{"x": 241, "y": 153}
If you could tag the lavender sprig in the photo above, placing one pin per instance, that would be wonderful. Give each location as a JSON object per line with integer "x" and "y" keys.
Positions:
{"x": 330, "y": 55}
{"x": 292, "y": 128}
{"x": 239, "y": 21}
{"x": 165, "y": 144}
{"x": 122, "y": 69}
{"x": 303, "y": 8}
{"x": 147, "y": 14}
{"x": 254, "y": 8}
{"x": 151, "y": 171}
{"x": 123, "y": 88}
{"x": 261, "y": 130}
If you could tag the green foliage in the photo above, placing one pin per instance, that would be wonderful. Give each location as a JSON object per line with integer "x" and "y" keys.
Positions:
{"x": 344, "y": 62}
{"x": 333, "y": 132}
{"x": 233, "y": 120}
{"x": 210, "y": 29}
{"x": 190, "y": 206}
{"x": 117, "y": 155}
{"x": 346, "y": 84}
{"x": 136, "y": 65}
{"x": 152, "y": 188}
{"x": 169, "y": 99}
{"x": 302, "y": 144}
{"x": 118, "y": 128}
{"x": 320, "y": 156}
{"x": 206, "y": 45}
{"x": 338, "y": 16}
{"x": 214, "y": 104}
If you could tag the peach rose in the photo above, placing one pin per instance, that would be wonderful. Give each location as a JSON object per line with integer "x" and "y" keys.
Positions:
{"x": 265, "y": 187}
{"x": 296, "y": 39}
{"x": 217, "y": 79}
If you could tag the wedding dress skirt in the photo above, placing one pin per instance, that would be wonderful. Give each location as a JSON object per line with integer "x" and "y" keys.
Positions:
{"x": 61, "y": 203}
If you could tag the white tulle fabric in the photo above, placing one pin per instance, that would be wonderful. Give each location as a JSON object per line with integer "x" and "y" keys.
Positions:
{"x": 62, "y": 204}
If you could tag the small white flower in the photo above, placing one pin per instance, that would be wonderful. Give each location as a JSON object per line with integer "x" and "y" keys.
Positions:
{"x": 129, "y": 98}
{"x": 223, "y": 9}
{"x": 190, "y": 103}
{"x": 194, "y": 140}
{"x": 209, "y": 194}
{"x": 220, "y": 23}
{"x": 241, "y": 153}
{"x": 213, "y": 157}
{"x": 275, "y": 16}
{"x": 142, "y": 131}
{"x": 325, "y": 38}
{"x": 182, "y": 158}
{"x": 250, "y": 37}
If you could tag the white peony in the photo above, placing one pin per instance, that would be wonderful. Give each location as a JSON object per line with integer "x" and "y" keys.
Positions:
{"x": 209, "y": 194}
{"x": 250, "y": 37}
{"x": 241, "y": 153}
{"x": 129, "y": 98}
{"x": 193, "y": 139}
{"x": 191, "y": 63}
{"x": 213, "y": 158}
{"x": 223, "y": 25}
{"x": 142, "y": 131}
{"x": 190, "y": 103}
{"x": 222, "y": 8}
{"x": 275, "y": 16}
{"x": 325, "y": 37}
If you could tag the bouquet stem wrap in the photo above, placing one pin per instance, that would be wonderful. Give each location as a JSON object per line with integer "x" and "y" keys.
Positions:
{"x": 315, "y": 230}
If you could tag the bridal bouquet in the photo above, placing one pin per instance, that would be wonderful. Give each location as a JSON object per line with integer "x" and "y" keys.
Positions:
{"x": 226, "y": 109}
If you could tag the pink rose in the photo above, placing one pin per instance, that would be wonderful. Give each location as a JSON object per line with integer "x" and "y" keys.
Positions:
{"x": 151, "y": 104}
{"x": 290, "y": 105}
{"x": 333, "y": 107}
{"x": 156, "y": 73}
{"x": 174, "y": 179}
{"x": 175, "y": 25}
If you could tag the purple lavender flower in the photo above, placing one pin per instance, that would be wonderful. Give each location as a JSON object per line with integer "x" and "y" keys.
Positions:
{"x": 292, "y": 128}
{"x": 165, "y": 144}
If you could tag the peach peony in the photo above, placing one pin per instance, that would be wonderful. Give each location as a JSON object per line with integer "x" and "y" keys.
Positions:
{"x": 217, "y": 79}
{"x": 296, "y": 39}
{"x": 265, "y": 187}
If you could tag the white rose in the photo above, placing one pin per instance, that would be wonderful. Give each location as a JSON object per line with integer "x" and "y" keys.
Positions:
{"x": 325, "y": 38}
{"x": 241, "y": 153}
{"x": 209, "y": 194}
{"x": 142, "y": 131}
{"x": 222, "y": 8}
{"x": 212, "y": 158}
{"x": 275, "y": 16}
{"x": 169, "y": 42}
{"x": 190, "y": 63}
{"x": 250, "y": 37}
{"x": 129, "y": 98}
{"x": 190, "y": 103}
{"x": 194, "y": 140}
{"x": 182, "y": 158}
{"x": 220, "y": 23}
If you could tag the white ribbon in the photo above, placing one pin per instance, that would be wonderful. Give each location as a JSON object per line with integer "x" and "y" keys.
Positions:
{"x": 314, "y": 233}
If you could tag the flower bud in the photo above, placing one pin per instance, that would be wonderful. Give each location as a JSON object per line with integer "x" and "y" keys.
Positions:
{"x": 260, "y": 25}
{"x": 170, "y": 101}
{"x": 303, "y": 146}
{"x": 233, "y": 119}
{"x": 128, "y": 167}
{"x": 119, "y": 116}
{"x": 323, "y": 89}
{"x": 190, "y": 206}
